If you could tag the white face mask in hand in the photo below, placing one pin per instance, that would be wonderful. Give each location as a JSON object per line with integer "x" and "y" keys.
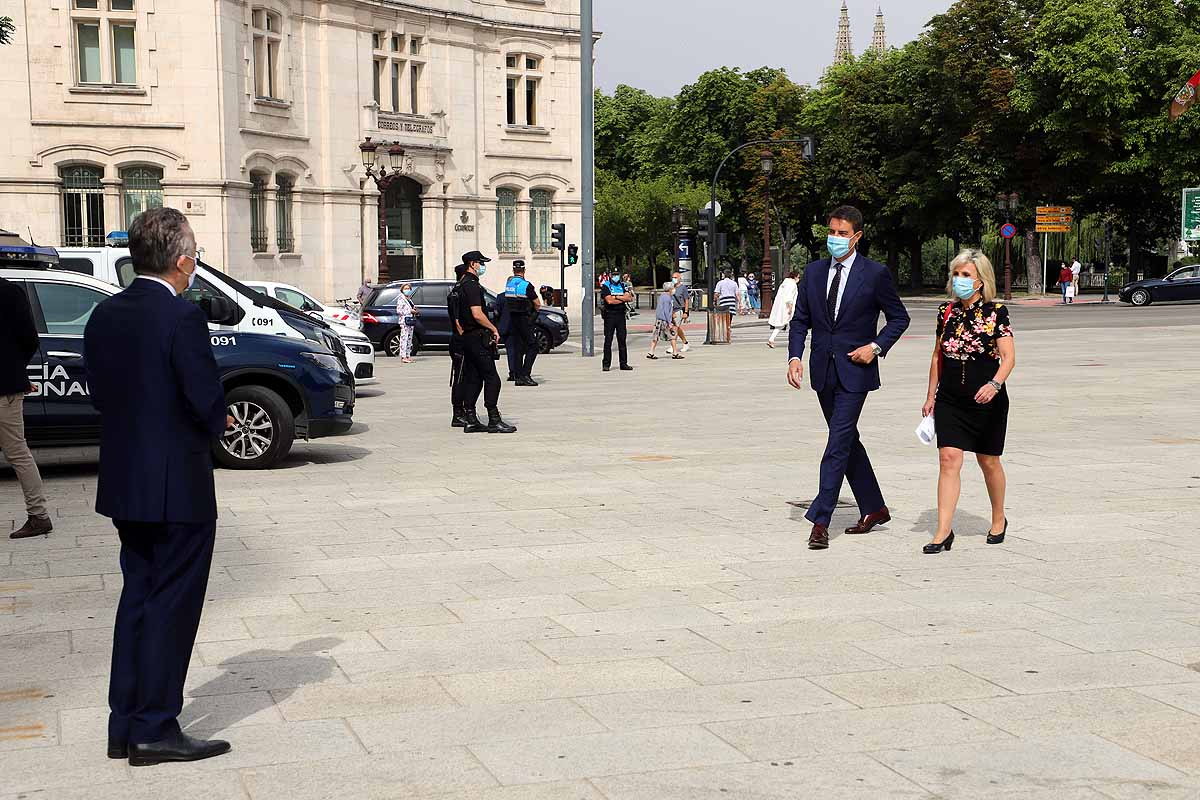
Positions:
{"x": 926, "y": 432}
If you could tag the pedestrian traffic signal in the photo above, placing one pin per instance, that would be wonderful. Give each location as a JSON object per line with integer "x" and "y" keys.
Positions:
{"x": 572, "y": 254}
{"x": 558, "y": 239}
{"x": 704, "y": 224}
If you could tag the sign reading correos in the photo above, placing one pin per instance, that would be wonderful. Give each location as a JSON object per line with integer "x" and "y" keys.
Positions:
{"x": 1191, "y": 215}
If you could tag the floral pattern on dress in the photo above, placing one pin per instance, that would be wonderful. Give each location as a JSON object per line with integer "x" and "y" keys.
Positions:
{"x": 973, "y": 332}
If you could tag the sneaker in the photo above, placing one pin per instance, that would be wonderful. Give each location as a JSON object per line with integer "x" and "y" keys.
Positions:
{"x": 34, "y": 526}
{"x": 686, "y": 347}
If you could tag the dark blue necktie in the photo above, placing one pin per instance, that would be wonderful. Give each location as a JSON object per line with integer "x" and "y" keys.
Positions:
{"x": 831, "y": 301}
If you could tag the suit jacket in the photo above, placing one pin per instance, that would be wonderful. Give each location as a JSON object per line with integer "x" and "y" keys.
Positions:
{"x": 18, "y": 339}
{"x": 869, "y": 292}
{"x": 153, "y": 378}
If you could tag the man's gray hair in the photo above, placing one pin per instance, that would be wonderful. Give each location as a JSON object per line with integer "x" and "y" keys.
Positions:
{"x": 157, "y": 238}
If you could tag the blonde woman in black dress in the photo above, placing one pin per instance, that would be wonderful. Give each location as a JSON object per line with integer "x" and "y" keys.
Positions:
{"x": 972, "y": 359}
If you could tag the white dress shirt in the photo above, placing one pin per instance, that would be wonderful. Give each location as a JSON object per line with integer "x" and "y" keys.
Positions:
{"x": 846, "y": 267}
{"x": 156, "y": 279}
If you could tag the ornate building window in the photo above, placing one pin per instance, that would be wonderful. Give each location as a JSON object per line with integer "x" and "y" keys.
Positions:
{"x": 141, "y": 190}
{"x": 507, "y": 238}
{"x": 539, "y": 221}
{"x": 523, "y": 87}
{"x": 105, "y": 42}
{"x": 258, "y": 213}
{"x": 283, "y": 214}
{"x": 83, "y": 207}
{"x": 268, "y": 40}
{"x": 397, "y": 69}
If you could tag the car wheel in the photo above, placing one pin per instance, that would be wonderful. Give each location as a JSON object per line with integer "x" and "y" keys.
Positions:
{"x": 391, "y": 343}
{"x": 541, "y": 339}
{"x": 1140, "y": 297}
{"x": 263, "y": 429}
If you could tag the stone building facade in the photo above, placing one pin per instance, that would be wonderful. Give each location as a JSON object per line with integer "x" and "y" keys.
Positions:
{"x": 248, "y": 115}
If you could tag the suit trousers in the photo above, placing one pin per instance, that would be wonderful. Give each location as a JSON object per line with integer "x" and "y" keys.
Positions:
{"x": 457, "y": 393}
{"x": 479, "y": 372}
{"x": 165, "y": 568}
{"x": 614, "y": 325}
{"x": 845, "y": 457}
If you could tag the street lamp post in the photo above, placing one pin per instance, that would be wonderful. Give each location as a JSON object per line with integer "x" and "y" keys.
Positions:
{"x": 1007, "y": 204}
{"x": 676, "y": 228}
{"x": 766, "y": 284}
{"x": 383, "y": 179}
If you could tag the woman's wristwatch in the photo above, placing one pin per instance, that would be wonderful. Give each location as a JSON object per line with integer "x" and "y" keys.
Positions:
{"x": 997, "y": 385}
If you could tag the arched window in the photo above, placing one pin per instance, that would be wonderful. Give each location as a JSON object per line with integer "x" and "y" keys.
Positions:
{"x": 141, "y": 190}
{"x": 83, "y": 206}
{"x": 539, "y": 221}
{"x": 258, "y": 212}
{"x": 283, "y": 214}
{"x": 507, "y": 238}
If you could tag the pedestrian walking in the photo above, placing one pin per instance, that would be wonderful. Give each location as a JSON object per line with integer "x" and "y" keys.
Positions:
{"x": 664, "y": 321}
{"x": 743, "y": 295}
{"x": 727, "y": 292}
{"x": 752, "y": 290}
{"x": 1076, "y": 268}
{"x": 481, "y": 350}
{"x": 407, "y": 312}
{"x": 1066, "y": 283}
{"x": 683, "y": 309}
{"x": 18, "y": 343}
{"x": 458, "y": 417}
{"x": 784, "y": 306}
{"x": 973, "y": 357}
{"x": 614, "y": 294}
{"x": 521, "y": 303}
{"x": 840, "y": 300}
{"x": 153, "y": 378}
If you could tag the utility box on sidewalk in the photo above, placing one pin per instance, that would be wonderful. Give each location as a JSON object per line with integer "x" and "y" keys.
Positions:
{"x": 722, "y": 326}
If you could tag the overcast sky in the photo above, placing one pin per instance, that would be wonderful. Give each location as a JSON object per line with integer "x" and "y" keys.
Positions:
{"x": 661, "y": 45}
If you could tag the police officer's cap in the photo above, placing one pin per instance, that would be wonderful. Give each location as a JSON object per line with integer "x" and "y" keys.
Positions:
{"x": 518, "y": 265}
{"x": 475, "y": 255}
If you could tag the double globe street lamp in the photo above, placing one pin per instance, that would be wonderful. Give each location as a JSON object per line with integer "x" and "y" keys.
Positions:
{"x": 383, "y": 178}
{"x": 766, "y": 284}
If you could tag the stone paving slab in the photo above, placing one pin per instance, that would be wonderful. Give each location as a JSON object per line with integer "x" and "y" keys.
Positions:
{"x": 589, "y": 611}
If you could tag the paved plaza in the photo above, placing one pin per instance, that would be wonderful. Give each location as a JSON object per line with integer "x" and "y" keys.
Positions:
{"x": 618, "y": 602}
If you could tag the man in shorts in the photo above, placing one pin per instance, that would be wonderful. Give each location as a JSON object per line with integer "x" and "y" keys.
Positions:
{"x": 682, "y": 309}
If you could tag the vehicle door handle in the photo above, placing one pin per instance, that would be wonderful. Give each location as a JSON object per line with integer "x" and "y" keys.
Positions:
{"x": 63, "y": 354}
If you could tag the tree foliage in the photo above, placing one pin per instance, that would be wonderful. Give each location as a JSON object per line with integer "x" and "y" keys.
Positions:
{"x": 7, "y": 29}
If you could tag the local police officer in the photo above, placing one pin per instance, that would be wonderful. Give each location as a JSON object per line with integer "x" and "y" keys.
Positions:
{"x": 480, "y": 343}
{"x": 453, "y": 304}
{"x": 522, "y": 304}
{"x": 613, "y": 296}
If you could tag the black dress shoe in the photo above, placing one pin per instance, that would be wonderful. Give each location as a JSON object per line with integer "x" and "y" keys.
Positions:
{"x": 606, "y": 369}
{"x": 626, "y": 368}
{"x": 998, "y": 538}
{"x": 177, "y": 747}
{"x": 526, "y": 382}
{"x": 34, "y": 526}
{"x": 118, "y": 749}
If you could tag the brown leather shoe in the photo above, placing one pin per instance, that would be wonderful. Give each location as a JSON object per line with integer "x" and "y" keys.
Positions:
{"x": 34, "y": 526}
{"x": 870, "y": 521}
{"x": 819, "y": 538}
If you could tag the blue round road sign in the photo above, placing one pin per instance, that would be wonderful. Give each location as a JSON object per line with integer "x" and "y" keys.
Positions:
{"x": 1008, "y": 231}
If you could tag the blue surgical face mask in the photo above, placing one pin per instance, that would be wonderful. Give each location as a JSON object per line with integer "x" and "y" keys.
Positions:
{"x": 839, "y": 246}
{"x": 408, "y": 292}
{"x": 482, "y": 269}
{"x": 964, "y": 288}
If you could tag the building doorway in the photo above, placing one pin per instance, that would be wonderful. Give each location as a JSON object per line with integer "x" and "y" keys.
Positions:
{"x": 400, "y": 206}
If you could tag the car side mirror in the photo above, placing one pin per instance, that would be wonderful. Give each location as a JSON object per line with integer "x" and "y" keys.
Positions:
{"x": 219, "y": 310}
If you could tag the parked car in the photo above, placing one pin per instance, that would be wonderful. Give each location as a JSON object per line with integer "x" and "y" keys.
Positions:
{"x": 381, "y": 324}
{"x": 277, "y": 387}
{"x": 1182, "y": 284}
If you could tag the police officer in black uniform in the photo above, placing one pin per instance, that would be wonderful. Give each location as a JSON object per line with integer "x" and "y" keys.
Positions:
{"x": 614, "y": 294}
{"x": 522, "y": 303}
{"x": 480, "y": 344}
{"x": 453, "y": 304}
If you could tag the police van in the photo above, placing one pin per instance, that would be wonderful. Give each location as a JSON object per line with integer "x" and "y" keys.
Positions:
{"x": 278, "y": 388}
{"x": 259, "y": 312}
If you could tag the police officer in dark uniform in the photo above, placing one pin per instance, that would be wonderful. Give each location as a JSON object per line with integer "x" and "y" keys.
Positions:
{"x": 480, "y": 343}
{"x": 522, "y": 304}
{"x": 613, "y": 297}
{"x": 453, "y": 304}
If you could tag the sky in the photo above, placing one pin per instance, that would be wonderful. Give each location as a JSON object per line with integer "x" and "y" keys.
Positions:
{"x": 664, "y": 49}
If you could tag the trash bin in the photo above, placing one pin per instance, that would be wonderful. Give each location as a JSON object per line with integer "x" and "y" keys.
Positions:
{"x": 722, "y": 325}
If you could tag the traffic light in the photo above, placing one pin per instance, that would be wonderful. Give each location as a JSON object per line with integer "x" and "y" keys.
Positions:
{"x": 572, "y": 255}
{"x": 558, "y": 239}
{"x": 704, "y": 224}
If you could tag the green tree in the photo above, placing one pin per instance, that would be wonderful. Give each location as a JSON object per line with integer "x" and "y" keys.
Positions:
{"x": 7, "y": 29}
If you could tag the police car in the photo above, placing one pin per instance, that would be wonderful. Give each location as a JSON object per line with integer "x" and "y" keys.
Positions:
{"x": 278, "y": 388}
{"x": 260, "y": 311}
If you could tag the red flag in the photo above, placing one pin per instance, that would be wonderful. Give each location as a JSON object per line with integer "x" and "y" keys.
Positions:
{"x": 1185, "y": 98}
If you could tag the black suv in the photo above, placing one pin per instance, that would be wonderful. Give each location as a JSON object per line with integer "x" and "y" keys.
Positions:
{"x": 381, "y": 324}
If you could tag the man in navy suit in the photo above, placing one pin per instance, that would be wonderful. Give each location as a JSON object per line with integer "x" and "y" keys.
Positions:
{"x": 153, "y": 378}
{"x": 840, "y": 301}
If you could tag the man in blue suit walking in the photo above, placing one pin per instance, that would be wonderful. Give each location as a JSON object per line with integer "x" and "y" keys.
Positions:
{"x": 840, "y": 301}
{"x": 153, "y": 378}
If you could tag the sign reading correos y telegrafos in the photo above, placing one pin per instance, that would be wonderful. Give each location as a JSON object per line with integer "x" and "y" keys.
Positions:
{"x": 1191, "y": 215}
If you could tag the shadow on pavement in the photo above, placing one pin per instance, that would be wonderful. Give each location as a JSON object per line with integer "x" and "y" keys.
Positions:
{"x": 965, "y": 524}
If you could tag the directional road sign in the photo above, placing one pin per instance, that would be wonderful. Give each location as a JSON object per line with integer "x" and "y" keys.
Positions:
{"x": 1055, "y": 210}
{"x": 1054, "y": 219}
{"x": 1053, "y": 228}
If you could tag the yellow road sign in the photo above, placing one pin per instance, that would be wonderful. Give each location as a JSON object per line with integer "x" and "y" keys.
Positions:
{"x": 1055, "y": 210}
{"x": 1053, "y": 228}
{"x": 1054, "y": 219}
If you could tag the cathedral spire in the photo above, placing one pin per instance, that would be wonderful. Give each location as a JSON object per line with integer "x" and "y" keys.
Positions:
{"x": 879, "y": 40}
{"x": 844, "y": 52}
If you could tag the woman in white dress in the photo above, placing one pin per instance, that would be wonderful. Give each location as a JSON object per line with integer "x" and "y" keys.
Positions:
{"x": 407, "y": 313}
{"x": 784, "y": 305}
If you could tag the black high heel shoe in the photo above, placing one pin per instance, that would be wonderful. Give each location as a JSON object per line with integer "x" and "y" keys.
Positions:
{"x": 998, "y": 538}
{"x": 937, "y": 547}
